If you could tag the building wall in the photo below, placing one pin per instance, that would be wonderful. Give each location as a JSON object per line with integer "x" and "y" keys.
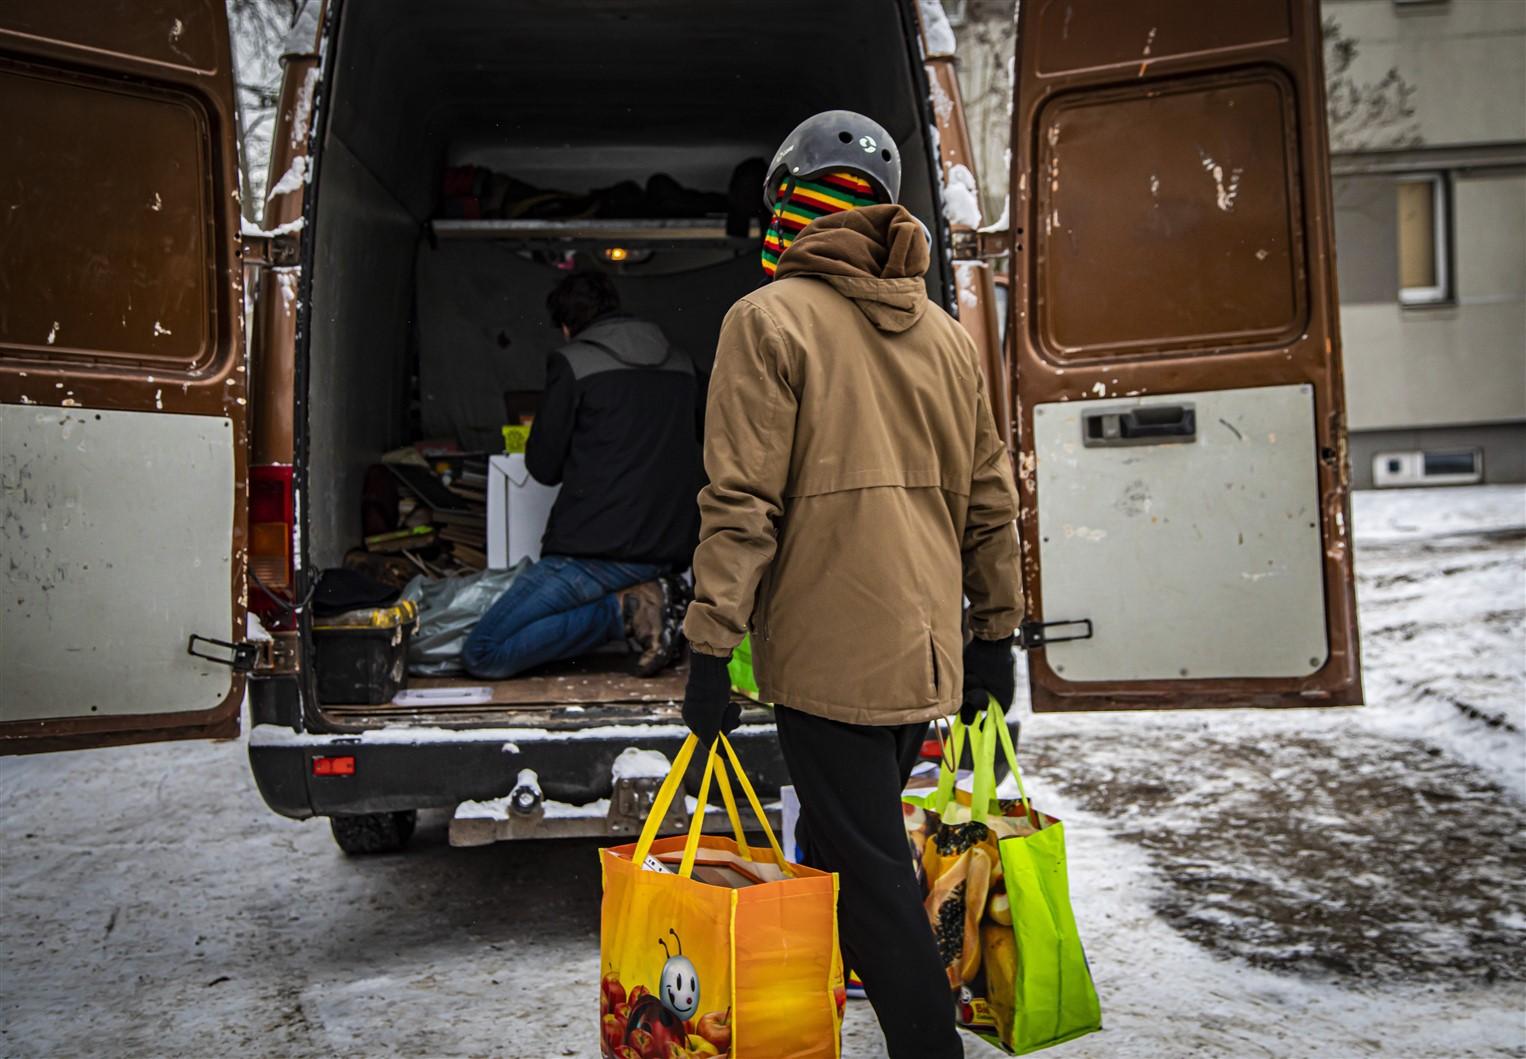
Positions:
{"x": 1462, "y": 362}
{"x": 1418, "y": 377}
{"x": 1453, "y": 374}
{"x": 1465, "y": 58}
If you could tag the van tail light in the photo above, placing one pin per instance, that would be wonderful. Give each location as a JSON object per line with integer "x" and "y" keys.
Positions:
{"x": 334, "y": 766}
{"x": 270, "y": 533}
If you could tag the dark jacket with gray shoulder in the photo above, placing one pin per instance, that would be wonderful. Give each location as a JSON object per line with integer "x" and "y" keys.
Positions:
{"x": 618, "y": 428}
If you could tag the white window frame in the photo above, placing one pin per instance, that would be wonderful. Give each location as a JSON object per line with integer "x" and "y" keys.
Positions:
{"x": 1441, "y": 243}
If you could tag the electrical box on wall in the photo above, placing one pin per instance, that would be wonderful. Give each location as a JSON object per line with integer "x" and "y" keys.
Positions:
{"x": 1431, "y": 467}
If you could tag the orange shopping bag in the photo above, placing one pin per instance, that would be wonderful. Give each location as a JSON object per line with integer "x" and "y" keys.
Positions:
{"x": 711, "y": 947}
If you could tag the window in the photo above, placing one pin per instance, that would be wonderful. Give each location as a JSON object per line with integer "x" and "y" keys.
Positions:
{"x": 1423, "y": 206}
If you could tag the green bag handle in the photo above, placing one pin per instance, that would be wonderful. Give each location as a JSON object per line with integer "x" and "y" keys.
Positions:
{"x": 953, "y": 746}
{"x": 985, "y": 734}
{"x": 983, "y": 762}
{"x": 1004, "y": 737}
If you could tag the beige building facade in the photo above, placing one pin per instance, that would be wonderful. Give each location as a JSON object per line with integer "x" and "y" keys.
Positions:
{"x": 1428, "y": 137}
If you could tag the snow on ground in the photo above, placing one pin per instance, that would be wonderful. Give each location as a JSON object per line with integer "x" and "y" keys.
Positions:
{"x": 1249, "y": 883}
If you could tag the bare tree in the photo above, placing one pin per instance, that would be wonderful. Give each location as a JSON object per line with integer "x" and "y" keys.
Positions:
{"x": 1365, "y": 116}
{"x": 258, "y": 29}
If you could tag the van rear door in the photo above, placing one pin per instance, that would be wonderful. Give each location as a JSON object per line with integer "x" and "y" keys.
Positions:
{"x": 1181, "y": 428}
{"x": 122, "y": 375}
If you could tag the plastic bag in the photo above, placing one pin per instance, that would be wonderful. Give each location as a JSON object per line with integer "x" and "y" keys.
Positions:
{"x": 448, "y": 610}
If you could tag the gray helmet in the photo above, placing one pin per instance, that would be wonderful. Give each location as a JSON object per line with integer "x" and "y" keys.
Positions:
{"x": 837, "y": 139}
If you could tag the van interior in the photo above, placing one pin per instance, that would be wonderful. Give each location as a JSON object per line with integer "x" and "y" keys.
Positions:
{"x": 446, "y": 126}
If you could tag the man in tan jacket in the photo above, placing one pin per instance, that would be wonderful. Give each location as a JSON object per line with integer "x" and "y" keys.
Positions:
{"x": 858, "y": 490}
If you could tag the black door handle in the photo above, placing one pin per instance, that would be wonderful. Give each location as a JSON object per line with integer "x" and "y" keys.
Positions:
{"x": 1151, "y": 424}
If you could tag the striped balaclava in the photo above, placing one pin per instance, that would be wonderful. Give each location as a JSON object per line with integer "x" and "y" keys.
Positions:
{"x": 808, "y": 199}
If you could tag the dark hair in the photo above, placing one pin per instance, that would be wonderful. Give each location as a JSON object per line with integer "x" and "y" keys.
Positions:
{"x": 580, "y": 299}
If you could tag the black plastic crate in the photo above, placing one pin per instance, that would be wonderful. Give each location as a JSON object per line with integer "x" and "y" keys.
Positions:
{"x": 362, "y": 655}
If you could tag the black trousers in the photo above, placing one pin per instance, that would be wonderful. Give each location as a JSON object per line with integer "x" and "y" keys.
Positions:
{"x": 849, "y": 779}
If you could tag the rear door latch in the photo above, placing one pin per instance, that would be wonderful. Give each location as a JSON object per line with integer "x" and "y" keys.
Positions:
{"x": 1031, "y": 634}
{"x": 240, "y": 657}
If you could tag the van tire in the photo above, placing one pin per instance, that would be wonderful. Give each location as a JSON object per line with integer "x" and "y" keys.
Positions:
{"x": 374, "y": 832}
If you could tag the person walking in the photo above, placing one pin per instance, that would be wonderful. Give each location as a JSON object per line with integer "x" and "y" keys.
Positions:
{"x": 618, "y": 430}
{"x": 858, "y": 489}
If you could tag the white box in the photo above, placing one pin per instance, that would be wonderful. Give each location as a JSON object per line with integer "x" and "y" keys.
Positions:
{"x": 517, "y": 509}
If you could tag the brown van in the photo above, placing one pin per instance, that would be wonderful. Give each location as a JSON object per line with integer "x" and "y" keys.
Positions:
{"x": 1168, "y": 367}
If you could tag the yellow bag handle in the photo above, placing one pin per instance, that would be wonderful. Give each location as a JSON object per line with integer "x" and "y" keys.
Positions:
{"x": 664, "y": 799}
{"x": 714, "y": 765}
{"x": 735, "y": 817}
{"x": 757, "y": 808}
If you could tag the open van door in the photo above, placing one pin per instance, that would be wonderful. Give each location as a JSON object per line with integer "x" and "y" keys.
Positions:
{"x": 122, "y": 375}
{"x": 1181, "y": 434}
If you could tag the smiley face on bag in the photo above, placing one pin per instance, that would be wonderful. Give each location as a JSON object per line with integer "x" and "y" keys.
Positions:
{"x": 678, "y": 987}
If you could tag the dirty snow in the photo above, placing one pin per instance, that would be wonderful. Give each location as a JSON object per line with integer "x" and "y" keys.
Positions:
{"x": 1248, "y": 883}
{"x": 961, "y": 201}
{"x": 936, "y": 31}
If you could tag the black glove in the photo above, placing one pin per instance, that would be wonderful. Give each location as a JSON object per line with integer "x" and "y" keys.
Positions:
{"x": 708, "y": 709}
{"x": 987, "y": 675}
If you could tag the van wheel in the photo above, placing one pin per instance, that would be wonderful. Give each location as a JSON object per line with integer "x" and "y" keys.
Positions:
{"x": 374, "y": 832}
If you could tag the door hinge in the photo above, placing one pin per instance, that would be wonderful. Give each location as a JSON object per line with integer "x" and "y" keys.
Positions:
{"x": 281, "y": 250}
{"x": 971, "y": 245}
{"x": 241, "y": 657}
{"x": 1031, "y": 634}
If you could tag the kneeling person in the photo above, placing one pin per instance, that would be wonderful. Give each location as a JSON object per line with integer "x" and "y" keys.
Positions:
{"x": 617, "y": 428}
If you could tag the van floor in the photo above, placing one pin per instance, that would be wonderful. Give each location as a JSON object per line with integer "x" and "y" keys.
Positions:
{"x": 601, "y": 683}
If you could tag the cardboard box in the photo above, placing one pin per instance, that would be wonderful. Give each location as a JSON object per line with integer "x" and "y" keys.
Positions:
{"x": 517, "y": 509}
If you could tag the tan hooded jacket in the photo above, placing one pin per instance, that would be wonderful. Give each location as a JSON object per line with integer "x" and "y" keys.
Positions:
{"x": 857, "y": 483}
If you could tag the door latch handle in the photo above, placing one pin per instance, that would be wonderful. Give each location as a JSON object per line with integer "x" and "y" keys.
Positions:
{"x": 240, "y": 657}
{"x": 1150, "y": 424}
{"x": 1031, "y": 634}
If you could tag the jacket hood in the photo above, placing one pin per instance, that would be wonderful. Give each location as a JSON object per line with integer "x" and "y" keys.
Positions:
{"x": 633, "y": 342}
{"x": 875, "y": 255}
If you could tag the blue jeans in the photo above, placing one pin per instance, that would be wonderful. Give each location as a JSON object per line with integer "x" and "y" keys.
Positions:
{"x": 559, "y": 607}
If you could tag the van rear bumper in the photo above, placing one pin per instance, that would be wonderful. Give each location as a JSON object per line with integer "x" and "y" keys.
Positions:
{"x": 398, "y": 768}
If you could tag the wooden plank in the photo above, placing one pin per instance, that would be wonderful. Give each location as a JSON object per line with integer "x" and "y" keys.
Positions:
{"x": 592, "y": 679}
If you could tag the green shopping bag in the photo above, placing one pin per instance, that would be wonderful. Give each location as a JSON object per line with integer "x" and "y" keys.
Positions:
{"x": 740, "y": 668}
{"x": 1028, "y": 986}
